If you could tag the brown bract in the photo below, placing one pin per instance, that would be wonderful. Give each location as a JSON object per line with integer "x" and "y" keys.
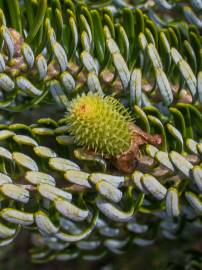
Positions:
{"x": 18, "y": 41}
{"x": 127, "y": 161}
{"x": 17, "y": 63}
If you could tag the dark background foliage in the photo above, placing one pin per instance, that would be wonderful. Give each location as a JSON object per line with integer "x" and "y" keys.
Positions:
{"x": 164, "y": 255}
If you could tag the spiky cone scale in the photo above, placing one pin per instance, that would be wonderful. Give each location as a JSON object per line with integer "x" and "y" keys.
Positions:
{"x": 101, "y": 124}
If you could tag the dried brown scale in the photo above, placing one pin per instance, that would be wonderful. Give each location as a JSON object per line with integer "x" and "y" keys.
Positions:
{"x": 52, "y": 71}
{"x": 194, "y": 159}
{"x": 106, "y": 76}
{"x": 144, "y": 163}
{"x": 127, "y": 161}
{"x": 18, "y": 42}
{"x": 160, "y": 172}
{"x": 76, "y": 188}
{"x": 16, "y": 67}
{"x": 73, "y": 68}
{"x": 117, "y": 87}
{"x": 185, "y": 96}
{"x": 17, "y": 64}
{"x": 82, "y": 77}
{"x": 147, "y": 87}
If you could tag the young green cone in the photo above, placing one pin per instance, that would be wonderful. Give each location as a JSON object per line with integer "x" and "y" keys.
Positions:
{"x": 100, "y": 124}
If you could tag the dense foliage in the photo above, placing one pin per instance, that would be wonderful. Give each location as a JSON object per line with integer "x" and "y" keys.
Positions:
{"x": 141, "y": 57}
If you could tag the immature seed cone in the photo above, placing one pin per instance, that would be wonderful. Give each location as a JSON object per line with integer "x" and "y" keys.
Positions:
{"x": 100, "y": 124}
